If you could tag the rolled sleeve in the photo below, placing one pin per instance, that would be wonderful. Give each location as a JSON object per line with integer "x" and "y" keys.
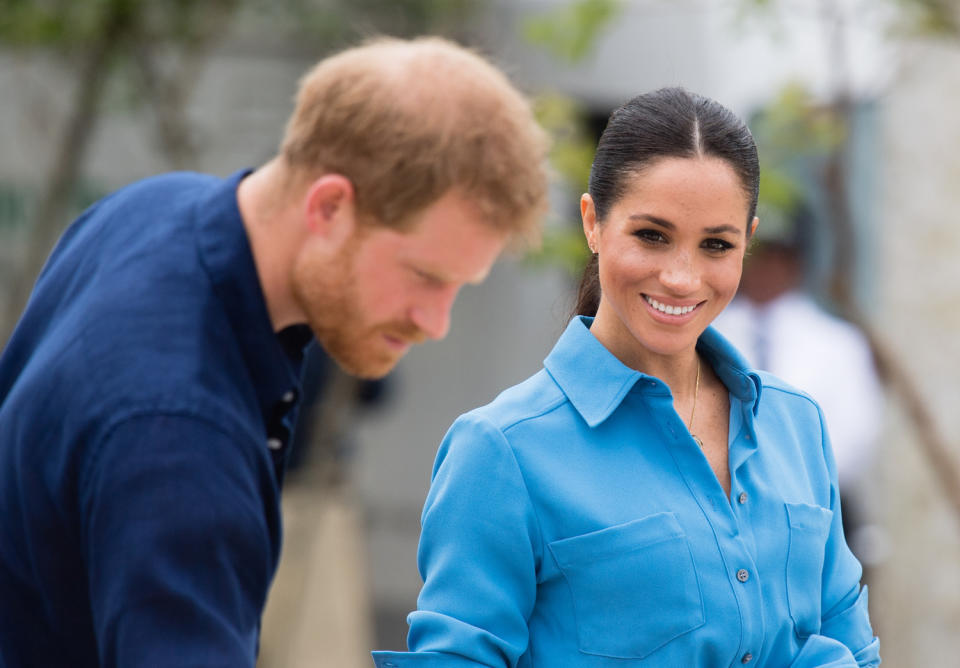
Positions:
{"x": 819, "y": 651}
{"x": 422, "y": 660}
{"x": 479, "y": 553}
{"x": 178, "y": 545}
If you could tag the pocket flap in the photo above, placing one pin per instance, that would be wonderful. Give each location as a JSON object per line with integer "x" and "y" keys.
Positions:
{"x": 617, "y": 540}
{"x": 806, "y": 517}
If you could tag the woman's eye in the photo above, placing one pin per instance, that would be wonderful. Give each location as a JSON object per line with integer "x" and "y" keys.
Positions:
{"x": 717, "y": 245}
{"x": 651, "y": 236}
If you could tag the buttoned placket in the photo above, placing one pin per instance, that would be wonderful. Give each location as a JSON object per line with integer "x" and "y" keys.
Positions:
{"x": 726, "y": 517}
{"x": 742, "y": 446}
{"x": 279, "y": 430}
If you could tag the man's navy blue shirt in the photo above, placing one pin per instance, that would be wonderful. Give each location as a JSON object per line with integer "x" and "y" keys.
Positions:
{"x": 145, "y": 405}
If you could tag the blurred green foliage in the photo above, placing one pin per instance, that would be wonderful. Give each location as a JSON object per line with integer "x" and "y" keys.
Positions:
{"x": 792, "y": 128}
{"x": 328, "y": 25}
{"x": 930, "y": 17}
{"x": 572, "y": 149}
{"x": 927, "y": 18}
{"x": 323, "y": 24}
{"x": 570, "y": 31}
{"x": 76, "y": 23}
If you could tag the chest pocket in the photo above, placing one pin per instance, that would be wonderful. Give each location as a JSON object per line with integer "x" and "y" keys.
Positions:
{"x": 634, "y": 586}
{"x": 809, "y": 528}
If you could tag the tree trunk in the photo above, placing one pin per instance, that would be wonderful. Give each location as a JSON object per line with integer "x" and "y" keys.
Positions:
{"x": 935, "y": 448}
{"x": 48, "y": 221}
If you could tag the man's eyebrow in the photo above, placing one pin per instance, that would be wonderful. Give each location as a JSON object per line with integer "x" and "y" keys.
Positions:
{"x": 434, "y": 275}
{"x": 666, "y": 224}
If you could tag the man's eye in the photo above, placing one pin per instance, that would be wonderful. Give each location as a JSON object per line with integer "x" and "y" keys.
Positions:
{"x": 430, "y": 279}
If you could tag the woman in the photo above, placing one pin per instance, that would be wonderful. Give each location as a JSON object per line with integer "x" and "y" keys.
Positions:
{"x": 645, "y": 499}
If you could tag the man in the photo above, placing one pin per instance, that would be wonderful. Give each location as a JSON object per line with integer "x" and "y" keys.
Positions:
{"x": 147, "y": 392}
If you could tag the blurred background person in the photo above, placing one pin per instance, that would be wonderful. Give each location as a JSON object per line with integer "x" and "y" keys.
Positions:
{"x": 781, "y": 327}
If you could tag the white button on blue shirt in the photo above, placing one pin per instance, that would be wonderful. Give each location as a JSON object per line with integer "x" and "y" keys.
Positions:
{"x": 574, "y": 522}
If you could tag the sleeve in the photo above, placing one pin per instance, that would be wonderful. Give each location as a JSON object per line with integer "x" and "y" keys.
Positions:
{"x": 178, "y": 544}
{"x": 820, "y": 651}
{"x": 844, "y": 603}
{"x": 479, "y": 554}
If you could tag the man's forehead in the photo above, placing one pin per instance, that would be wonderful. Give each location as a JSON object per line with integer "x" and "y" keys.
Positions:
{"x": 453, "y": 262}
{"x": 460, "y": 252}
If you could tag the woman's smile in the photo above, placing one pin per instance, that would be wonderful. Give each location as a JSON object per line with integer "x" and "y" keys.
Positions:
{"x": 671, "y": 312}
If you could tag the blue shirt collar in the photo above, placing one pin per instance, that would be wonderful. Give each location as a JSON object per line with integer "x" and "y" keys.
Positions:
{"x": 272, "y": 359}
{"x": 596, "y": 382}
{"x": 742, "y": 381}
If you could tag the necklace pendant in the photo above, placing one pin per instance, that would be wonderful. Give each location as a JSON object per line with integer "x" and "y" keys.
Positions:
{"x": 697, "y": 440}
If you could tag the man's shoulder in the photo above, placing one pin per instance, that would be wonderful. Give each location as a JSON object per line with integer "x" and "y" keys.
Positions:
{"x": 127, "y": 312}
{"x": 159, "y": 184}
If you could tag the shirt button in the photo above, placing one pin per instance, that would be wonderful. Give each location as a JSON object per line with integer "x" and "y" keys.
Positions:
{"x": 747, "y": 658}
{"x": 742, "y": 498}
{"x": 743, "y": 575}
{"x": 747, "y": 437}
{"x": 288, "y": 397}
{"x": 274, "y": 443}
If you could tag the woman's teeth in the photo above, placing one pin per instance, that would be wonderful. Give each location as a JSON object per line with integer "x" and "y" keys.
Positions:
{"x": 669, "y": 310}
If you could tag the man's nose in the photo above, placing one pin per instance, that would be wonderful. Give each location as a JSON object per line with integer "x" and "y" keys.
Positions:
{"x": 432, "y": 316}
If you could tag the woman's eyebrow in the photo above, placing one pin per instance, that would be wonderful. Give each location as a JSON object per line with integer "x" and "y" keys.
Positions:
{"x": 666, "y": 224}
{"x": 656, "y": 220}
{"x": 720, "y": 229}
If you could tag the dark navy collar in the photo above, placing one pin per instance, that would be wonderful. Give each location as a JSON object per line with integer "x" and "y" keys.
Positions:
{"x": 596, "y": 382}
{"x": 273, "y": 360}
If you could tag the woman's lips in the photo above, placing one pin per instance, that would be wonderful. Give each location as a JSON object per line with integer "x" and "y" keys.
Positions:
{"x": 671, "y": 312}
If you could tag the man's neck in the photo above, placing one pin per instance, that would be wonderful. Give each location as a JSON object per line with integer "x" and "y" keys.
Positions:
{"x": 270, "y": 209}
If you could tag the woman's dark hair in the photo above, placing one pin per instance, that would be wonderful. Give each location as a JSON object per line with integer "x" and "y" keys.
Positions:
{"x": 665, "y": 123}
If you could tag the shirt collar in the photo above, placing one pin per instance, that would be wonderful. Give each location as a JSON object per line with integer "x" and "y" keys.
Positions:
{"x": 596, "y": 382}
{"x": 742, "y": 381}
{"x": 273, "y": 360}
{"x": 593, "y": 379}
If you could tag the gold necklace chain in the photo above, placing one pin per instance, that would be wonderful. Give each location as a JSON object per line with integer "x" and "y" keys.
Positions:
{"x": 693, "y": 411}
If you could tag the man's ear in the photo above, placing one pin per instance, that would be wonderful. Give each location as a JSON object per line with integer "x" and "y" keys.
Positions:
{"x": 330, "y": 208}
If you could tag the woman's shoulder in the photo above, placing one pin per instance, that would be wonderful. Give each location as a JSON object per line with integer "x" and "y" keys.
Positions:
{"x": 532, "y": 398}
{"x": 781, "y": 394}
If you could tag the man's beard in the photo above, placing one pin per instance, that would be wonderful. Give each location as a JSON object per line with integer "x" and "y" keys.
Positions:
{"x": 329, "y": 297}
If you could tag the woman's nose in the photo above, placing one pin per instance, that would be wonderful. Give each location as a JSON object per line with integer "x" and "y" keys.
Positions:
{"x": 680, "y": 275}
